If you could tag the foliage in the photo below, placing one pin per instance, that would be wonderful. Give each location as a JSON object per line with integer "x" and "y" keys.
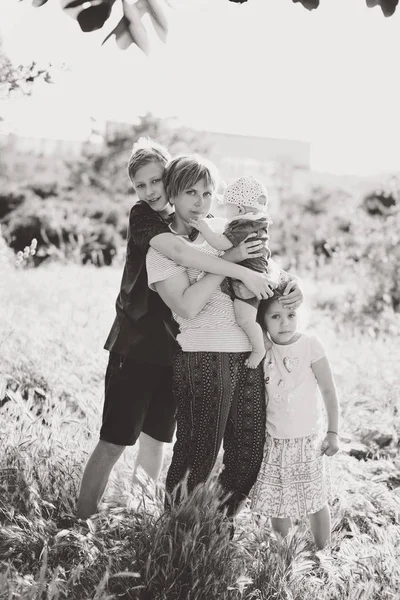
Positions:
{"x": 50, "y": 390}
{"x": 83, "y": 227}
{"x": 20, "y": 78}
{"x": 331, "y": 232}
{"x": 83, "y": 215}
{"x": 106, "y": 169}
{"x": 384, "y": 199}
{"x": 93, "y": 15}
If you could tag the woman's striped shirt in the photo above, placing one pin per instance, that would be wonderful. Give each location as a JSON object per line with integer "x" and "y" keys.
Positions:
{"x": 214, "y": 328}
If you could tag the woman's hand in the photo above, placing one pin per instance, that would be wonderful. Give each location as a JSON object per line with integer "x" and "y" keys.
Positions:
{"x": 292, "y": 296}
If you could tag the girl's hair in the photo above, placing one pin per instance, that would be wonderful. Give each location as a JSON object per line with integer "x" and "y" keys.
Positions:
{"x": 145, "y": 151}
{"x": 302, "y": 312}
{"x": 262, "y": 307}
{"x": 183, "y": 172}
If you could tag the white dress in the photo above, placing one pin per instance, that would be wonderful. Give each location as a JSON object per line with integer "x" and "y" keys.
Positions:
{"x": 293, "y": 480}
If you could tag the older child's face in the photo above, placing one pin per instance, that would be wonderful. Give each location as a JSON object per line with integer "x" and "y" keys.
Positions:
{"x": 149, "y": 186}
{"x": 193, "y": 203}
{"x": 280, "y": 322}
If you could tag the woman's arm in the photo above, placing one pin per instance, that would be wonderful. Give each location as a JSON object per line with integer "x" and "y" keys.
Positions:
{"x": 292, "y": 295}
{"x": 184, "y": 299}
{"x": 326, "y": 384}
{"x": 188, "y": 256}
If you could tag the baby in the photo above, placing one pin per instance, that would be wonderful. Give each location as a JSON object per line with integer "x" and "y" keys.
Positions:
{"x": 245, "y": 208}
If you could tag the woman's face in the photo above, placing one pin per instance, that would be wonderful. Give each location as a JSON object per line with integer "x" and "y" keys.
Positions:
{"x": 193, "y": 203}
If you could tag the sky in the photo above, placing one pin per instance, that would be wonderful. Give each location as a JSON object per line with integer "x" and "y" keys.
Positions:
{"x": 265, "y": 67}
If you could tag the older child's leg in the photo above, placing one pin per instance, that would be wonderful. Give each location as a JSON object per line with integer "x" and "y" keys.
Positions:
{"x": 150, "y": 456}
{"x": 95, "y": 477}
{"x": 321, "y": 526}
{"x": 281, "y": 525}
{"x": 246, "y": 316}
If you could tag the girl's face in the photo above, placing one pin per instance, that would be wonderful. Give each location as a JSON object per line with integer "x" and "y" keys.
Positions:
{"x": 280, "y": 322}
{"x": 193, "y": 203}
{"x": 149, "y": 186}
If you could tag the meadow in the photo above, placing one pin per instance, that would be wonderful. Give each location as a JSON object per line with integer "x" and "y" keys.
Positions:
{"x": 54, "y": 322}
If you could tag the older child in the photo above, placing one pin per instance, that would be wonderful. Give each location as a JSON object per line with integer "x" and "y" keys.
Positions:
{"x": 293, "y": 480}
{"x": 245, "y": 203}
{"x": 138, "y": 400}
{"x": 218, "y": 397}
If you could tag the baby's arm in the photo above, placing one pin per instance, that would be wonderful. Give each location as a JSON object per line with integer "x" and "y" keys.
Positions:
{"x": 326, "y": 384}
{"x": 217, "y": 240}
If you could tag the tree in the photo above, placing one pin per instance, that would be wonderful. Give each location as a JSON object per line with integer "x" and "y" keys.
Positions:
{"x": 93, "y": 14}
{"x": 20, "y": 78}
{"x": 106, "y": 169}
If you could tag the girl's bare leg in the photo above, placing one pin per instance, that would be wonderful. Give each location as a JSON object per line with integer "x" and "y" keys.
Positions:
{"x": 321, "y": 526}
{"x": 281, "y": 525}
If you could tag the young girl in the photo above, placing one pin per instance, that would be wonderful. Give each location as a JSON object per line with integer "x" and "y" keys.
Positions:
{"x": 293, "y": 480}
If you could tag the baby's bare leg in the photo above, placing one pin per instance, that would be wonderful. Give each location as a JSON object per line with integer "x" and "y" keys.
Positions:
{"x": 246, "y": 315}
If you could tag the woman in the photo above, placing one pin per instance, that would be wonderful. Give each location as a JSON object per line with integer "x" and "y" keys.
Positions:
{"x": 218, "y": 398}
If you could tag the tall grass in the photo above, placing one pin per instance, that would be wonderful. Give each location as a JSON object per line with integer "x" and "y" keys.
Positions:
{"x": 52, "y": 367}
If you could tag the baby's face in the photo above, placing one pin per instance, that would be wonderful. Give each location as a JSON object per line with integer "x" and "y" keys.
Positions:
{"x": 233, "y": 210}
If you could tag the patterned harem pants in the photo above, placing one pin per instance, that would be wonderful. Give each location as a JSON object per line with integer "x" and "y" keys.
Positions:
{"x": 219, "y": 399}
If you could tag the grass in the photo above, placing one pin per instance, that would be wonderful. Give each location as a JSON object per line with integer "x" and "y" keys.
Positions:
{"x": 55, "y": 321}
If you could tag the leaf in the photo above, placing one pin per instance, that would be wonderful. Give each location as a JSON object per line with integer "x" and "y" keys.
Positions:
{"x": 308, "y": 4}
{"x": 158, "y": 18}
{"x": 37, "y": 3}
{"x": 74, "y": 4}
{"x": 122, "y": 34}
{"x": 94, "y": 17}
{"x": 136, "y": 28}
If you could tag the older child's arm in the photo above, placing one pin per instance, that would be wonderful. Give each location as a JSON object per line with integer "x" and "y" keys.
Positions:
{"x": 219, "y": 241}
{"x": 326, "y": 384}
{"x": 188, "y": 256}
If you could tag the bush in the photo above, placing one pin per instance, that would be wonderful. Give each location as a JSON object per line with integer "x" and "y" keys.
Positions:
{"x": 385, "y": 198}
{"x": 81, "y": 226}
{"x": 10, "y": 199}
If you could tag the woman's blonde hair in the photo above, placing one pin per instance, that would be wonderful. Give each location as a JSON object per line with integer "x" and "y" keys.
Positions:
{"x": 183, "y": 172}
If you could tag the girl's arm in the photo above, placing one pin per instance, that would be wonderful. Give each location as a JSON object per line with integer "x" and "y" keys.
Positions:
{"x": 184, "y": 299}
{"x": 326, "y": 384}
{"x": 188, "y": 256}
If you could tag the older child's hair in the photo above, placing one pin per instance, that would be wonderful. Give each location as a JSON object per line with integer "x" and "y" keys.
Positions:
{"x": 185, "y": 171}
{"x": 145, "y": 151}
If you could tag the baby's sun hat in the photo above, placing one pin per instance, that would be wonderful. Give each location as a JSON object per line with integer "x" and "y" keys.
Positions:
{"x": 245, "y": 191}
